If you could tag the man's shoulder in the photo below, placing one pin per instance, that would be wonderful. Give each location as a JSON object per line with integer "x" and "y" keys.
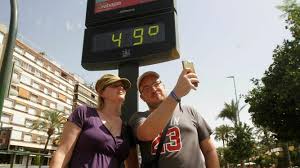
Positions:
{"x": 189, "y": 108}
{"x": 192, "y": 111}
{"x": 140, "y": 114}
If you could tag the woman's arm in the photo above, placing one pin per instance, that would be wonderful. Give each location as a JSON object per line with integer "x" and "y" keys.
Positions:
{"x": 64, "y": 151}
{"x": 132, "y": 160}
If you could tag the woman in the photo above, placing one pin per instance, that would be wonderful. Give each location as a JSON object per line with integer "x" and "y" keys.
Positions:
{"x": 95, "y": 137}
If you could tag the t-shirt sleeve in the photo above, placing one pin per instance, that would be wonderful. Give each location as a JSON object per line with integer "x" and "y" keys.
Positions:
{"x": 136, "y": 120}
{"x": 203, "y": 128}
{"x": 78, "y": 116}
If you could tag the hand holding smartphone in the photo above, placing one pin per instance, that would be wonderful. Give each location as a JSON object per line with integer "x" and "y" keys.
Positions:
{"x": 190, "y": 65}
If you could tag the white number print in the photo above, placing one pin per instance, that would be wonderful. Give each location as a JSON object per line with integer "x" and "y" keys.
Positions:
{"x": 174, "y": 143}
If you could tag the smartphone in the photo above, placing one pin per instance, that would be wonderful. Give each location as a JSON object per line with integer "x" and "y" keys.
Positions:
{"x": 190, "y": 65}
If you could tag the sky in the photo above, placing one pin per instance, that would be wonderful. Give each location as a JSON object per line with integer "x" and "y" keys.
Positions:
{"x": 222, "y": 38}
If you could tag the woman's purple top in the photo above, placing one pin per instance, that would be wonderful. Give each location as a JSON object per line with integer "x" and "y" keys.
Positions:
{"x": 95, "y": 146}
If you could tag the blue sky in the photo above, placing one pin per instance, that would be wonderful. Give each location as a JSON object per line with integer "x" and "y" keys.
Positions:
{"x": 222, "y": 38}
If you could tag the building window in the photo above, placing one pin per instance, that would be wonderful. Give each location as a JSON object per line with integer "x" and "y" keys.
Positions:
{"x": 45, "y": 103}
{"x": 20, "y": 107}
{"x": 27, "y": 138}
{"x": 19, "y": 50}
{"x": 8, "y": 103}
{"x": 62, "y": 87}
{"x": 30, "y": 56}
{"x": 64, "y": 75}
{"x": 18, "y": 119}
{"x": 46, "y": 91}
{"x": 40, "y": 63}
{"x": 26, "y": 80}
{"x": 28, "y": 123}
{"x": 1, "y": 38}
{"x": 49, "y": 68}
{"x": 36, "y": 86}
{"x": 69, "y": 101}
{"x": 38, "y": 74}
{"x": 17, "y": 62}
{"x": 34, "y": 98}
{"x": 17, "y": 135}
{"x": 60, "y": 107}
{"x": 56, "y": 73}
{"x": 24, "y": 93}
{"x": 55, "y": 83}
{"x": 52, "y": 105}
{"x": 32, "y": 111}
{"x": 54, "y": 94}
{"x": 5, "y": 118}
{"x": 62, "y": 97}
{"x": 70, "y": 91}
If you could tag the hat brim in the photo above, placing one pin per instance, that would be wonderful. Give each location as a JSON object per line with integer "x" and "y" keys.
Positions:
{"x": 125, "y": 82}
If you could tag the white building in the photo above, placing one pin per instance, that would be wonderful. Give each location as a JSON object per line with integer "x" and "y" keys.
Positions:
{"x": 38, "y": 84}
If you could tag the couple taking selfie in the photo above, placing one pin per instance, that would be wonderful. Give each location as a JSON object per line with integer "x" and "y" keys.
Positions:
{"x": 169, "y": 134}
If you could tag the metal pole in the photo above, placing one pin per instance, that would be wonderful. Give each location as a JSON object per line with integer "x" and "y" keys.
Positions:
{"x": 236, "y": 99}
{"x": 131, "y": 72}
{"x": 6, "y": 68}
{"x": 235, "y": 89}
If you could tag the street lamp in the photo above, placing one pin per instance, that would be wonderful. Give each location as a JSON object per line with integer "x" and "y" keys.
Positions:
{"x": 236, "y": 100}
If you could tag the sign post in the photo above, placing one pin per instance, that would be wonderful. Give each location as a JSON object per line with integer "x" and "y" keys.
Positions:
{"x": 6, "y": 68}
{"x": 126, "y": 34}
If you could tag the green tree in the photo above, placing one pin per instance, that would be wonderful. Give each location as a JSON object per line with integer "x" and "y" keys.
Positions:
{"x": 222, "y": 133}
{"x": 52, "y": 122}
{"x": 230, "y": 111}
{"x": 266, "y": 139}
{"x": 241, "y": 144}
{"x": 274, "y": 101}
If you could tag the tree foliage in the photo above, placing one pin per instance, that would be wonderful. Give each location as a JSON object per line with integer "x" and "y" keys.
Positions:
{"x": 275, "y": 100}
{"x": 231, "y": 111}
{"x": 223, "y": 133}
{"x": 241, "y": 144}
{"x": 52, "y": 123}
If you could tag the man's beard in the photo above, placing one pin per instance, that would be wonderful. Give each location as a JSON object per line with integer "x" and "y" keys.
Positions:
{"x": 153, "y": 106}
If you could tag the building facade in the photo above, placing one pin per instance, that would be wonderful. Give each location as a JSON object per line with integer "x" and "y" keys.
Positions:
{"x": 3, "y": 32}
{"x": 38, "y": 84}
{"x": 84, "y": 94}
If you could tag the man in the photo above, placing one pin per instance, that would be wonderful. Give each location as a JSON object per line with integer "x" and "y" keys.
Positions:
{"x": 188, "y": 134}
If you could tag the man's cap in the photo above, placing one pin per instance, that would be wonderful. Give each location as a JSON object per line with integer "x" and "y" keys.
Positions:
{"x": 108, "y": 79}
{"x": 148, "y": 73}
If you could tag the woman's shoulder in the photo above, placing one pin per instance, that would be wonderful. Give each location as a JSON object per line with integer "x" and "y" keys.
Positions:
{"x": 84, "y": 111}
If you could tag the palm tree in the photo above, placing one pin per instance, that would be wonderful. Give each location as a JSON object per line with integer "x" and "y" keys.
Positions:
{"x": 52, "y": 121}
{"x": 231, "y": 111}
{"x": 223, "y": 133}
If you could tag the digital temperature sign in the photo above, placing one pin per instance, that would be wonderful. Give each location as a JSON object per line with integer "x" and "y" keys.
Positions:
{"x": 129, "y": 37}
{"x": 146, "y": 40}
